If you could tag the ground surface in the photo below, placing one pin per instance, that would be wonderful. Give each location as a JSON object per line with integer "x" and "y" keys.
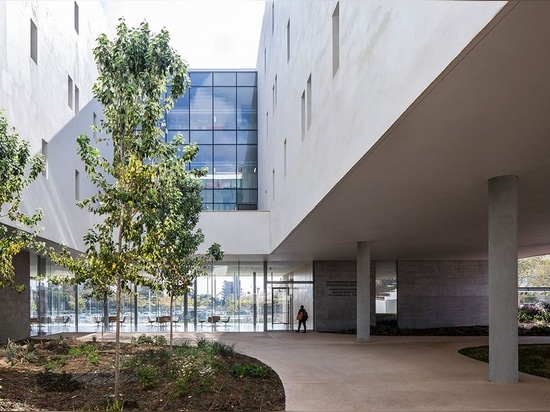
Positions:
{"x": 52, "y": 375}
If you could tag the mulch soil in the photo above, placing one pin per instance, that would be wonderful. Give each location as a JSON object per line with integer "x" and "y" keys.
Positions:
{"x": 48, "y": 378}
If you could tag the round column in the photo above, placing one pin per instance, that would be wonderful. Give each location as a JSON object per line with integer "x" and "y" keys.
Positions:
{"x": 503, "y": 279}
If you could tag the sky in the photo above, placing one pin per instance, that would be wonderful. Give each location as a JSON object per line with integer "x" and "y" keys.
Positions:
{"x": 208, "y": 34}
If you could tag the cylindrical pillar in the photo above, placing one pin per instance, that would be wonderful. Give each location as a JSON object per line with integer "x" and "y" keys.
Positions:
{"x": 503, "y": 279}
{"x": 363, "y": 292}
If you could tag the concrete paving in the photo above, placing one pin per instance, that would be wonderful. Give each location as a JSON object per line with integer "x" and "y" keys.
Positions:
{"x": 332, "y": 372}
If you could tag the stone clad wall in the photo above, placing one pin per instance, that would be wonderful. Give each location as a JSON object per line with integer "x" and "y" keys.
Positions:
{"x": 335, "y": 285}
{"x": 434, "y": 294}
{"x": 335, "y": 292}
{"x": 15, "y": 313}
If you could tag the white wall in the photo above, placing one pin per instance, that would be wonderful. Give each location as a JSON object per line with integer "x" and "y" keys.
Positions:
{"x": 238, "y": 232}
{"x": 390, "y": 52}
{"x": 35, "y": 99}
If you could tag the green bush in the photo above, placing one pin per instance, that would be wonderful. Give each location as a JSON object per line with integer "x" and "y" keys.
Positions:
{"x": 89, "y": 351}
{"x": 247, "y": 369}
{"x": 21, "y": 353}
{"x": 147, "y": 376}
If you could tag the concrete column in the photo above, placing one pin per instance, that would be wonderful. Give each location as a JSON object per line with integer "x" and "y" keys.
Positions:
{"x": 503, "y": 279}
{"x": 15, "y": 313}
{"x": 363, "y": 292}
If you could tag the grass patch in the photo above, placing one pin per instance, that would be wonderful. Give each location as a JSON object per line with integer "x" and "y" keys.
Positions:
{"x": 533, "y": 359}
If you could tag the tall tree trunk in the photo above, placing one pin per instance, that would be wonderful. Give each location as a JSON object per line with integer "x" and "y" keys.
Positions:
{"x": 171, "y": 323}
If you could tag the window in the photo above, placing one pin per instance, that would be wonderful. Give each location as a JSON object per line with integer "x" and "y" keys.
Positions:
{"x": 76, "y": 100}
{"x": 288, "y": 40}
{"x": 275, "y": 93}
{"x": 77, "y": 185}
{"x": 303, "y": 113}
{"x": 272, "y": 17}
{"x": 273, "y": 184}
{"x": 34, "y": 42}
{"x": 70, "y": 91}
{"x": 266, "y": 124}
{"x": 94, "y": 123}
{"x": 336, "y": 39}
{"x": 284, "y": 157}
{"x": 273, "y": 96}
{"x": 76, "y": 18}
{"x": 45, "y": 154}
{"x": 308, "y": 101}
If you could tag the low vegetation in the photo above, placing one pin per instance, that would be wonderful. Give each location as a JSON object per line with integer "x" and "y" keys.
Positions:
{"x": 533, "y": 359}
{"x": 65, "y": 374}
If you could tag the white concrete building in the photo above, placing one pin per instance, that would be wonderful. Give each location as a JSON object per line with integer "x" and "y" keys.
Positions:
{"x": 382, "y": 126}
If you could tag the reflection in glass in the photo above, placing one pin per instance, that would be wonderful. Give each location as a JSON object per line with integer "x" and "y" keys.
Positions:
{"x": 386, "y": 289}
{"x": 225, "y": 79}
{"x": 225, "y": 111}
{"x": 225, "y": 136}
{"x": 222, "y": 120}
{"x": 201, "y": 108}
{"x": 247, "y": 137}
{"x": 233, "y": 290}
{"x": 246, "y": 79}
{"x": 200, "y": 79}
{"x": 247, "y": 108}
{"x": 201, "y": 137}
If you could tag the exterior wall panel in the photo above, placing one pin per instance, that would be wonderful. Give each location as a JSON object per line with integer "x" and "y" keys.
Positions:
{"x": 433, "y": 294}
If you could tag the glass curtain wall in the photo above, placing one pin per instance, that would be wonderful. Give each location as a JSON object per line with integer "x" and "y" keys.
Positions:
{"x": 234, "y": 296}
{"x": 289, "y": 285}
{"x": 53, "y": 307}
{"x": 219, "y": 113}
{"x": 386, "y": 290}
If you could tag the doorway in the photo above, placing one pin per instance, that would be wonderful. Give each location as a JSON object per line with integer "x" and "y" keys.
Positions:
{"x": 280, "y": 307}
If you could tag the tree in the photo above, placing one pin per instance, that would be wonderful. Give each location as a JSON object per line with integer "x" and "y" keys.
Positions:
{"x": 175, "y": 208}
{"x": 18, "y": 169}
{"x": 533, "y": 272}
{"x": 133, "y": 72}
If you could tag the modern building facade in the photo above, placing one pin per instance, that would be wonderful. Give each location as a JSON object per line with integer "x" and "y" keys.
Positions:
{"x": 402, "y": 155}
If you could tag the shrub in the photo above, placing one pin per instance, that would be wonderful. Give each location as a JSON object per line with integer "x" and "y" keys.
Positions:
{"x": 248, "y": 369}
{"x": 89, "y": 351}
{"x": 21, "y": 353}
{"x": 148, "y": 376}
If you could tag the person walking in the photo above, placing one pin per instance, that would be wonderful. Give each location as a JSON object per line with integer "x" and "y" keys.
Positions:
{"x": 302, "y": 318}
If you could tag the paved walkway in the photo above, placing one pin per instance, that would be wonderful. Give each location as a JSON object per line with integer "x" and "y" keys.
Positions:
{"x": 331, "y": 372}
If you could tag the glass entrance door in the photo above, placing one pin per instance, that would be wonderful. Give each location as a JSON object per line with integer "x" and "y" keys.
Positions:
{"x": 280, "y": 307}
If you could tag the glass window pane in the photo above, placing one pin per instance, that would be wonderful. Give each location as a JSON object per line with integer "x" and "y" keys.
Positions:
{"x": 207, "y": 196}
{"x": 246, "y": 108}
{"x": 201, "y": 137}
{"x": 247, "y": 137}
{"x": 203, "y": 158}
{"x": 247, "y": 164}
{"x": 225, "y": 137}
{"x": 247, "y": 196}
{"x": 228, "y": 181}
{"x": 225, "y": 196}
{"x": 225, "y": 79}
{"x": 225, "y": 112}
{"x": 246, "y": 79}
{"x": 224, "y": 159}
{"x": 200, "y": 79}
{"x": 177, "y": 120}
{"x": 201, "y": 108}
{"x": 224, "y": 206}
{"x": 182, "y": 103}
